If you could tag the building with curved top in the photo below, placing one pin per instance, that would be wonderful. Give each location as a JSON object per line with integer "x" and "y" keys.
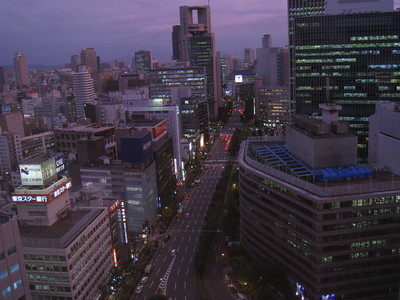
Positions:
{"x": 334, "y": 228}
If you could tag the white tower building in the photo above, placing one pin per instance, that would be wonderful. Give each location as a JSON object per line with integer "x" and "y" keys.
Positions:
{"x": 83, "y": 90}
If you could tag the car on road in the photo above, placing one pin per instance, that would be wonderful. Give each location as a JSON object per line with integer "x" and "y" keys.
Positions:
{"x": 173, "y": 252}
{"x": 187, "y": 216}
{"x": 166, "y": 238}
{"x": 144, "y": 280}
{"x": 138, "y": 289}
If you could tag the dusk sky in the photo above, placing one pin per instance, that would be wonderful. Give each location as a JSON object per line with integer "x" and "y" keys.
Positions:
{"x": 49, "y": 31}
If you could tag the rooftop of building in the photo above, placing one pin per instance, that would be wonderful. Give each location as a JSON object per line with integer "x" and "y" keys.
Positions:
{"x": 60, "y": 234}
{"x": 89, "y": 128}
{"x": 270, "y": 156}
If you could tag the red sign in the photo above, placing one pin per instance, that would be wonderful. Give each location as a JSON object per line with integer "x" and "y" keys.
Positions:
{"x": 160, "y": 129}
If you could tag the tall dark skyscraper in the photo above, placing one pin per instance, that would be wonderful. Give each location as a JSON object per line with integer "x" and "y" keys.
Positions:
{"x": 3, "y": 79}
{"x": 21, "y": 70}
{"x": 198, "y": 46}
{"x": 348, "y": 59}
{"x": 143, "y": 61}
{"x": 176, "y": 45}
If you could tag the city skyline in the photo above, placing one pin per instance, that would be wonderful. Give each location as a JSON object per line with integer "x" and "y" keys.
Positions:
{"x": 49, "y": 34}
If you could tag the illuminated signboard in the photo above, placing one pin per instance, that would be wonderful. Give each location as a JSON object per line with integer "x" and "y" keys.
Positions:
{"x": 39, "y": 174}
{"x": 59, "y": 163}
{"x": 238, "y": 78}
{"x": 42, "y": 198}
{"x": 31, "y": 174}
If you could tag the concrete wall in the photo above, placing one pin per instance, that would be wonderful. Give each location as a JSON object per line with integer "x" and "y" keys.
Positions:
{"x": 324, "y": 151}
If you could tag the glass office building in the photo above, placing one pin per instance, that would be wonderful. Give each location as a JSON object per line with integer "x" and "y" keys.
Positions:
{"x": 348, "y": 59}
{"x": 163, "y": 79}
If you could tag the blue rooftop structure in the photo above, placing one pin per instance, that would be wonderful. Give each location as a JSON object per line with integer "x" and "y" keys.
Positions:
{"x": 277, "y": 156}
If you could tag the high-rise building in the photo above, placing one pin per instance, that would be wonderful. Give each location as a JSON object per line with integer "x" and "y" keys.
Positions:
{"x": 83, "y": 90}
{"x": 349, "y": 59}
{"x": 90, "y": 59}
{"x": 273, "y": 106}
{"x": 133, "y": 179}
{"x": 249, "y": 57}
{"x": 67, "y": 252}
{"x": 198, "y": 47}
{"x": 3, "y": 79}
{"x": 163, "y": 80}
{"x": 143, "y": 61}
{"x": 21, "y": 70}
{"x": 331, "y": 224}
{"x": 272, "y": 63}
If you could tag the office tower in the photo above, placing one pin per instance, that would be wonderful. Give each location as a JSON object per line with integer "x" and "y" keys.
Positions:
{"x": 273, "y": 106}
{"x": 75, "y": 62}
{"x": 331, "y": 224}
{"x": 249, "y": 56}
{"x": 83, "y": 90}
{"x": 143, "y": 61}
{"x": 349, "y": 59}
{"x": 272, "y": 63}
{"x": 133, "y": 179}
{"x": 176, "y": 45}
{"x": 13, "y": 279}
{"x": 67, "y": 252}
{"x": 384, "y": 137}
{"x": 3, "y": 80}
{"x": 163, "y": 80}
{"x": 90, "y": 59}
{"x": 21, "y": 70}
{"x": 198, "y": 47}
{"x": 193, "y": 113}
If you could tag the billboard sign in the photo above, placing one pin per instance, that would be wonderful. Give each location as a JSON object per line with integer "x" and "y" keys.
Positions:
{"x": 31, "y": 174}
{"x": 159, "y": 130}
{"x": 41, "y": 173}
{"x": 42, "y": 198}
{"x": 238, "y": 78}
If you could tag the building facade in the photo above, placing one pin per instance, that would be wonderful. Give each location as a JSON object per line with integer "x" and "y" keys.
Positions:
{"x": 163, "y": 80}
{"x": 83, "y": 91}
{"x": 384, "y": 137}
{"x": 350, "y": 59}
{"x": 143, "y": 61}
{"x": 273, "y": 106}
{"x": 90, "y": 59}
{"x": 67, "y": 252}
{"x": 198, "y": 47}
{"x": 333, "y": 230}
{"x": 13, "y": 280}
